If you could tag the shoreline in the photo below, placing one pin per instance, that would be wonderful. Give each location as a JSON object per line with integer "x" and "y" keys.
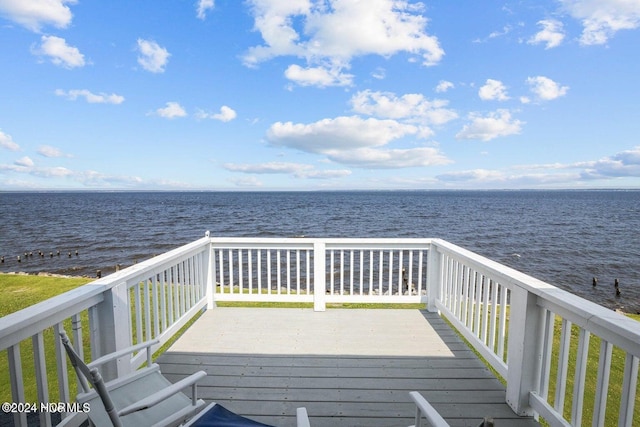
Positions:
{"x": 66, "y": 276}
{"x": 44, "y": 274}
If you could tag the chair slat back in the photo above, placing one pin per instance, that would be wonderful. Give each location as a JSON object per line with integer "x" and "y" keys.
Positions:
{"x": 82, "y": 370}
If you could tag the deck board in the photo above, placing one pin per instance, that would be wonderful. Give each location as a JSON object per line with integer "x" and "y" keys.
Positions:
{"x": 347, "y": 367}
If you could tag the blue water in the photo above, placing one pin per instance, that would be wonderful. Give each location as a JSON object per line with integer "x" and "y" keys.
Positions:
{"x": 562, "y": 237}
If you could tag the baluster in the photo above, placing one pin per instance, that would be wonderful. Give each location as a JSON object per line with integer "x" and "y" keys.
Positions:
{"x": 175, "y": 274}
{"x": 390, "y": 272}
{"x": 164, "y": 295}
{"x": 503, "y": 322}
{"x": 259, "y": 262}
{"x": 240, "y": 275}
{"x": 221, "y": 269}
{"x": 230, "y": 268}
{"x": 400, "y": 268}
{"x": 494, "y": 310}
{"x": 420, "y": 272}
{"x": 361, "y": 273}
{"x": 477, "y": 302}
{"x": 371, "y": 291}
{"x": 147, "y": 310}
{"x": 42, "y": 386}
{"x": 17, "y": 384}
{"x": 351, "y": 272}
{"x": 341, "y": 272}
{"x": 380, "y": 271}
{"x": 332, "y": 266}
{"x": 563, "y": 361}
{"x": 138, "y": 311}
{"x": 471, "y": 299}
{"x": 410, "y": 275}
{"x": 250, "y": 268}
{"x": 288, "y": 272}
{"x": 547, "y": 348}
{"x": 457, "y": 289}
{"x": 269, "y": 271}
{"x": 278, "y": 278}
{"x": 156, "y": 304}
{"x": 298, "y": 271}
{"x": 602, "y": 383}
{"x": 629, "y": 384}
{"x": 309, "y": 272}
{"x": 581, "y": 370}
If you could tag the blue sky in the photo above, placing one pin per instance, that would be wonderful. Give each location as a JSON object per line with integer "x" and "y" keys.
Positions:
{"x": 331, "y": 94}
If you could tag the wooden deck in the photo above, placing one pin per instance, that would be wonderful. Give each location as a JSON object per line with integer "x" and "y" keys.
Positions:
{"x": 347, "y": 367}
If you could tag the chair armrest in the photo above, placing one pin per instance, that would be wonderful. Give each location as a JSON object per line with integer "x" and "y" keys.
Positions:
{"x": 116, "y": 354}
{"x": 302, "y": 418}
{"x": 163, "y": 394}
{"x": 423, "y": 407}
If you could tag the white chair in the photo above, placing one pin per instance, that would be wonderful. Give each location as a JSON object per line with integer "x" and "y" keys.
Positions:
{"x": 142, "y": 398}
{"x": 146, "y": 398}
{"x": 425, "y": 410}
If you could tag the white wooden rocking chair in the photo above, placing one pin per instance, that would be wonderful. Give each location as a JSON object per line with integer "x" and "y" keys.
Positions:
{"x": 146, "y": 398}
{"x": 142, "y": 398}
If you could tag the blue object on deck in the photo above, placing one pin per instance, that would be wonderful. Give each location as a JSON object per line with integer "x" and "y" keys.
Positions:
{"x": 219, "y": 416}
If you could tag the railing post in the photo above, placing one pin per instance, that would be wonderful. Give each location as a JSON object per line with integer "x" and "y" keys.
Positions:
{"x": 113, "y": 330}
{"x": 524, "y": 354}
{"x": 434, "y": 261}
{"x": 319, "y": 276}
{"x": 211, "y": 282}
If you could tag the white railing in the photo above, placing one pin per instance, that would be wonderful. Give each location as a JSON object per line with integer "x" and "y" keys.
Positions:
{"x": 529, "y": 331}
{"x": 351, "y": 270}
{"x": 522, "y": 326}
{"x": 150, "y": 300}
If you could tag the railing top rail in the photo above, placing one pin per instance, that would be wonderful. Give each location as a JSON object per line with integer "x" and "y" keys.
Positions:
{"x": 616, "y": 328}
{"x": 153, "y": 264}
{"x": 22, "y": 324}
{"x": 308, "y": 242}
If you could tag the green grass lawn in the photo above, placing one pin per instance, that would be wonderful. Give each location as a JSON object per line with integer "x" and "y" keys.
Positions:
{"x": 615, "y": 379}
{"x": 22, "y": 291}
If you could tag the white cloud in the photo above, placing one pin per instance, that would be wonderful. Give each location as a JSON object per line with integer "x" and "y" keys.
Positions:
{"x": 202, "y": 6}
{"x": 318, "y": 76}
{"x": 59, "y": 52}
{"x": 171, "y": 111}
{"x": 601, "y": 19}
{"x": 246, "y": 181}
{"x": 34, "y": 14}
{"x": 551, "y": 34}
{"x": 379, "y": 73}
{"x": 226, "y": 114}
{"x": 49, "y": 151}
{"x": 623, "y": 164}
{"x": 25, "y": 162}
{"x": 411, "y": 107}
{"x": 545, "y": 88}
{"x": 152, "y": 57}
{"x": 355, "y": 141}
{"x": 444, "y": 86}
{"x": 299, "y": 170}
{"x": 476, "y": 175}
{"x": 329, "y": 34}
{"x": 493, "y": 90}
{"x": 498, "y": 123}
{"x": 396, "y": 158}
{"x": 341, "y": 133}
{"x": 7, "y": 142}
{"x": 92, "y": 98}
